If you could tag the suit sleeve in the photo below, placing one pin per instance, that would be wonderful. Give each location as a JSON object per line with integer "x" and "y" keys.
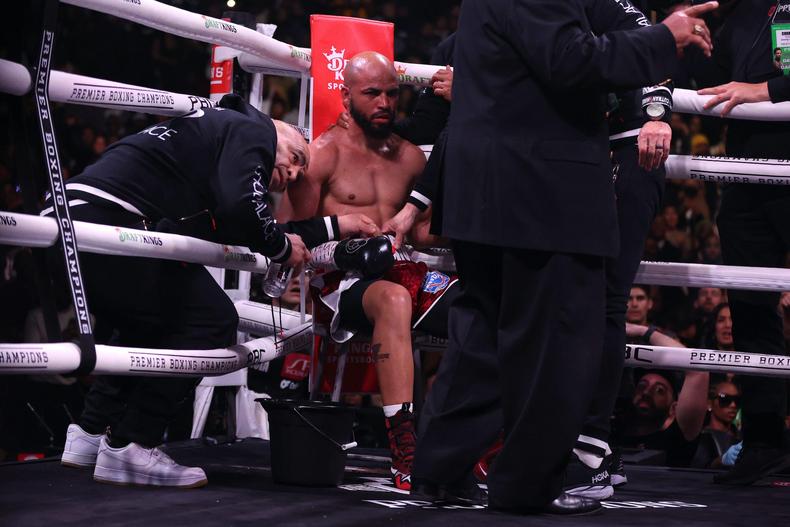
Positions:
{"x": 779, "y": 89}
{"x": 240, "y": 187}
{"x": 431, "y": 111}
{"x": 612, "y": 15}
{"x": 562, "y": 54}
{"x": 427, "y": 185}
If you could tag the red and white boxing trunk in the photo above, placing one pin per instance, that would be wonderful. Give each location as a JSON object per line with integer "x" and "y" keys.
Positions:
{"x": 426, "y": 287}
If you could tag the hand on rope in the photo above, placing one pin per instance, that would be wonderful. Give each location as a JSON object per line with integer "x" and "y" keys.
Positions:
{"x": 654, "y": 140}
{"x": 735, "y": 93}
{"x": 442, "y": 83}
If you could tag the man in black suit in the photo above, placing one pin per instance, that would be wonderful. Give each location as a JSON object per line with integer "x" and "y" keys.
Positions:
{"x": 754, "y": 221}
{"x": 528, "y": 203}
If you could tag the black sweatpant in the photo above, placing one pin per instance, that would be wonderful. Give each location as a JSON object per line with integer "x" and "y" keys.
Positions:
{"x": 754, "y": 225}
{"x": 144, "y": 302}
{"x": 525, "y": 341}
{"x": 639, "y": 194}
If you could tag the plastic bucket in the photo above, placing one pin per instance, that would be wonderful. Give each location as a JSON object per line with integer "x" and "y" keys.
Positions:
{"x": 308, "y": 441}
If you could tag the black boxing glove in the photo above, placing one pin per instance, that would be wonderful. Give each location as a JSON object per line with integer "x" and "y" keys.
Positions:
{"x": 369, "y": 256}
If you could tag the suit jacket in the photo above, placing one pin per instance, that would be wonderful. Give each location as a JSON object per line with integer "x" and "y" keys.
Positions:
{"x": 527, "y": 161}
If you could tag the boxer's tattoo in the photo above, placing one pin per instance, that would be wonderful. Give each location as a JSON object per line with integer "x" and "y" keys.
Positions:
{"x": 377, "y": 355}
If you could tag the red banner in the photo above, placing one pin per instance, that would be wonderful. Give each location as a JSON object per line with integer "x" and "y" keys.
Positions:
{"x": 360, "y": 370}
{"x": 334, "y": 40}
{"x": 221, "y": 77}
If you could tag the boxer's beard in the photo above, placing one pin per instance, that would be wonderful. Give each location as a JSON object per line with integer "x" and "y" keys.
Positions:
{"x": 377, "y": 131}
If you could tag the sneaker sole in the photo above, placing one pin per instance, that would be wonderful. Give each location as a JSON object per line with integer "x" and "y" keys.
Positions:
{"x": 122, "y": 479}
{"x": 72, "y": 464}
{"x": 73, "y": 460}
{"x": 618, "y": 481}
{"x": 597, "y": 492}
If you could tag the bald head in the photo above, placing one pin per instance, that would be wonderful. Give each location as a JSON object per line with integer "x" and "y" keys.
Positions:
{"x": 370, "y": 93}
{"x": 292, "y": 156}
{"x": 369, "y": 65}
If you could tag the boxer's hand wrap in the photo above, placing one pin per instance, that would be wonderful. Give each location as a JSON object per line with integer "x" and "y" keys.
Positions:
{"x": 369, "y": 256}
{"x": 658, "y": 94}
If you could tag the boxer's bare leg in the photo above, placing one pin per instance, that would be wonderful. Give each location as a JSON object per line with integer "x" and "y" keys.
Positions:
{"x": 388, "y": 307}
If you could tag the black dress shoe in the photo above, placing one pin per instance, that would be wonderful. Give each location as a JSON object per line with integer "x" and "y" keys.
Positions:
{"x": 463, "y": 493}
{"x": 568, "y": 504}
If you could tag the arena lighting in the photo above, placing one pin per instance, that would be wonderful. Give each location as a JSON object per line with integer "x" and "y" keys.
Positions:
{"x": 231, "y": 3}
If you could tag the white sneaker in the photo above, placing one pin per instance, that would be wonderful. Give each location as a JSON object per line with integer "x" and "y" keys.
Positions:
{"x": 81, "y": 447}
{"x": 136, "y": 465}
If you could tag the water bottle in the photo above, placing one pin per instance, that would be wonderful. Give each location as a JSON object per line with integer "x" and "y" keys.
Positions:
{"x": 276, "y": 280}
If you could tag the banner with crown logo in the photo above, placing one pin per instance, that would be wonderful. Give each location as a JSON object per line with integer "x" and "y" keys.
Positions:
{"x": 334, "y": 40}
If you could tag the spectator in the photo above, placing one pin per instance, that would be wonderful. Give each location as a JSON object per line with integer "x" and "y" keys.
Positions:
{"x": 721, "y": 432}
{"x": 639, "y": 305}
{"x": 724, "y": 403}
{"x": 710, "y": 249}
{"x": 665, "y": 413}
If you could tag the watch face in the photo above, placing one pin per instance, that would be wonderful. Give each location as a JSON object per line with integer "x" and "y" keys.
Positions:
{"x": 655, "y": 110}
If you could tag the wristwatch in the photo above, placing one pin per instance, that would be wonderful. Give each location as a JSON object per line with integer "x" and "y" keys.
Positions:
{"x": 656, "y": 111}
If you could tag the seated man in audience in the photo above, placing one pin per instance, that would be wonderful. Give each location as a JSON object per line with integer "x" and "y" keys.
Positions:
{"x": 665, "y": 413}
{"x": 366, "y": 168}
{"x": 639, "y": 305}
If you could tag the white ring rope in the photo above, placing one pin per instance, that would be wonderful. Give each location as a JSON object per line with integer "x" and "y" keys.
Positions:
{"x": 26, "y": 230}
{"x": 718, "y": 169}
{"x": 729, "y": 169}
{"x": 64, "y": 357}
{"x": 33, "y": 231}
{"x": 203, "y": 28}
{"x": 688, "y": 101}
{"x": 256, "y": 318}
{"x": 89, "y": 91}
{"x": 705, "y": 275}
{"x": 639, "y": 356}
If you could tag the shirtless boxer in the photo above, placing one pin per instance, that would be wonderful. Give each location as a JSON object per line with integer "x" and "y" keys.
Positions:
{"x": 367, "y": 169}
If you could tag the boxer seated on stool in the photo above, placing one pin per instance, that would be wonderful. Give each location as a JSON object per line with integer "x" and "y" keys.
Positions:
{"x": 368, "y": 169}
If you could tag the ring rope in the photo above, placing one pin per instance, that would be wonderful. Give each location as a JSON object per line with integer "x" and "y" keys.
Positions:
{"x": 89, "y": 91}
{"x": 27, "y": 230}
{"x": 64, "y": 357}
{"x": 738, "y": 362}
{"x": 255, "y": 317}
{"x": 34, "y": 231}
{"x": 203, "y": 28}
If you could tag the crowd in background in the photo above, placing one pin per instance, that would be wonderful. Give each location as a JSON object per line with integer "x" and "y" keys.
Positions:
{"x": 683, "y": 231}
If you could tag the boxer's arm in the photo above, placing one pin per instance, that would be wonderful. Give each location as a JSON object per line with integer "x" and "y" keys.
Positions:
{"x": 420, "y": 234}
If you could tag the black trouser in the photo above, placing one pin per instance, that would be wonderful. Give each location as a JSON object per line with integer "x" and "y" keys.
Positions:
{"x": 638, "y": 197}
{"x": 525, "y": 335}
{"x": 147, "y": 303}
{"x": 754, "y": 225}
